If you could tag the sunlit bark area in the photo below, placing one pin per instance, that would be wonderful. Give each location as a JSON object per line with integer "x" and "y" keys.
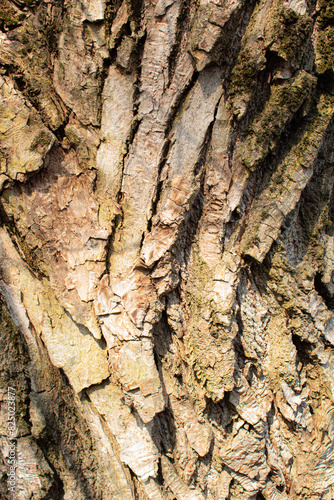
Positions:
{"x": 166, "y": 249}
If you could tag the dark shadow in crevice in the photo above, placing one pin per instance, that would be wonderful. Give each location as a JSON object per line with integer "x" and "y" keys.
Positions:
{"x": 323, "y": 291}
{"x": 304, "y": 349}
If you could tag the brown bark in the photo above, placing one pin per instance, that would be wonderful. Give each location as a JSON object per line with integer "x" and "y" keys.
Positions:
{"x": 166, "y": 249}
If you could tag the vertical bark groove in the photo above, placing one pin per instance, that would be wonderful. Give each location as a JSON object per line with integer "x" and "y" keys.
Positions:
{"x": 166, "y": 249}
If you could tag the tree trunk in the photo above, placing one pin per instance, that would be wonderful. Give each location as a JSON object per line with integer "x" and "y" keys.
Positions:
{"x": 166, "y": 249}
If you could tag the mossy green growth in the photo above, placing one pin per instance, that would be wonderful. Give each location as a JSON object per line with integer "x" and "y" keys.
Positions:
{"x": 286, "y": 279}
{"x": 244, "y": 74}
{"x": 280, "y": 30}
{"x": 305, "y": 151}
{"x": 197, "y": 304}
{"x": 325, "y": 51}
{"x": 9, "y": 17}
{"x": 287, "y": 32}
{"x": 196, "y": 288}
{"x": 285, "y": 100}
{"x": 206, "y": 340}
{"x": 325, "y": 11}
{"x": 325, "y": 38}
{"x": 291, "y": 176}
{"x": 250, "y": 62}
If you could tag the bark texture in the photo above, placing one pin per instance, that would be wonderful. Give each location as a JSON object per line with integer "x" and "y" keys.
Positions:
{"x": 166, "y": 248}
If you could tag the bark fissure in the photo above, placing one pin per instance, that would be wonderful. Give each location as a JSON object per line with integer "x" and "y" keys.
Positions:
{"x": 166, "y": 249}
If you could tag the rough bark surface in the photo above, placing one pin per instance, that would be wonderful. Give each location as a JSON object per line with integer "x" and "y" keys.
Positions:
{"x": 166, "y": 248}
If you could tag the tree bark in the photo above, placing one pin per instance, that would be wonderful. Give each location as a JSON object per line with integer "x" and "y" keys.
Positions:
{"x": 166, "y": 249}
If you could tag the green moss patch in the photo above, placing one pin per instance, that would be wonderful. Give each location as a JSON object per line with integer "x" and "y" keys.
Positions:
{"x": 287, "y": 32}
{"x": 245, "y": 73}
{"x": 285, "y": 100}
{"x": 325, "y": 38}
{"x": 279, "y": 30}
{"x": 9, "y": 17}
